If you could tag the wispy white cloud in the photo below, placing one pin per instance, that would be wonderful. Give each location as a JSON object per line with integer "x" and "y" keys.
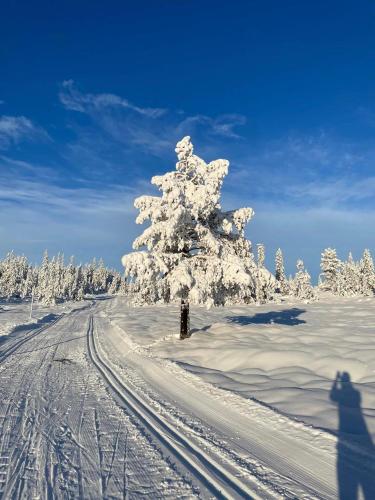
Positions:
{"x": 45, "y": 190}
{"x": 223, "y": 125}
{"x": 13, "y": 129}
{"x": 336, "y": 192}
{"x": 311, "y": 188}
{"x": 151, "y": 130}
{"x": 74, "y": 100}
{"x": 316, "y": 170}
{"x": 85, "y": 219}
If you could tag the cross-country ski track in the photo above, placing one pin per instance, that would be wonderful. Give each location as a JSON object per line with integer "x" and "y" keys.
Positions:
{"x": 78, "y": 420}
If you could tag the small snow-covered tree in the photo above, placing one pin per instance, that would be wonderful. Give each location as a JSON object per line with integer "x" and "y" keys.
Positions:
{"x": 348, "y": 279}
{"x": 68, "y": 280}
{"x": 49, "y": 287}
{"x": 330, "y": 266}
{"x": 59, "y": 273}
{"x": 30, "y": 283}
{"x": 301, "y": 284}
{"x": 194, "y": 251}
{"x": 366, "y": 274}
{"x": 78, "y": 286}
{"x": 45, "y": 289}
{"x": 266, "y": 285}
{"x": 13, "y": 273}
{"x": 100, "y": 278}
{"x": 115, "y": 284}
{"x": 261, "y": 254}
{"x": 89, "y": 276}
{"x": 282, "y": 283}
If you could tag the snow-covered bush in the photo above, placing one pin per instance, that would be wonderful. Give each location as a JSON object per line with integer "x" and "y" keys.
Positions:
{"x": 266, "y": 285}
{"x": 282, "y": 285}
{"x": 301, "y": 284}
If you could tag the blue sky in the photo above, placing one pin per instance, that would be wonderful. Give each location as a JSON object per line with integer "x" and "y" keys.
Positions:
{"x": 94, "y": 95}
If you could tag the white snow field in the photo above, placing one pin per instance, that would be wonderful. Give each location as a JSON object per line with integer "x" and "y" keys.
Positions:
{"x": 283, "y": 356}
{"x": 104, "y": 401}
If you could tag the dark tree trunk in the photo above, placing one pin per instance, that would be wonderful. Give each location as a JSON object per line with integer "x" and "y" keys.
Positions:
{"x": 185, "y": 320}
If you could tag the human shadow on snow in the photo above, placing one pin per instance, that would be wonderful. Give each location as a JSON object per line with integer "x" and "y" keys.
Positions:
{"x": 285, "y": 317}
{"x": 355, "y": 449}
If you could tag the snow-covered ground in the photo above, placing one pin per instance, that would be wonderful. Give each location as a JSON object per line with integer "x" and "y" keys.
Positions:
{"x": 285, "y": 355}
{"x": 62, "y": 434}
{"x": 15, "y": 315}
{"x": 104, "y": 401}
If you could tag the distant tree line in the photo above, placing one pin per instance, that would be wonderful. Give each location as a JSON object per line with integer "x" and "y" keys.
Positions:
{"x": 347, "y": 278}
{"x": 54, "y": 281}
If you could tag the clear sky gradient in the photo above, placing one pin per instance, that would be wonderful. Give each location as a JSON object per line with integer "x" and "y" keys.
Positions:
{"x": 94, "y": 96}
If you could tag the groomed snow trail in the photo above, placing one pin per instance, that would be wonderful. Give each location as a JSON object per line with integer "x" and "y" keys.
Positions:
{"x": 279, "y": 456}
{"x": 219, "y": 481}
{"x": 62, "y": 435}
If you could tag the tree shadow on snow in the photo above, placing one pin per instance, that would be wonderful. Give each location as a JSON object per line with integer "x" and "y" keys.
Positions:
{"x": 203, "y": 329}
{"x": 285, "y": 317}
{"x": 27, "y": 327}
{"x": 34, "y": 326}
{"x": 355, "y": 449}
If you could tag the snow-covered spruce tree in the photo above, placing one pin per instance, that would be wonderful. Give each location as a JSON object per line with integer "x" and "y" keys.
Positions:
{"x": 261, "y": 254}
{"x": 100, "y": 278}
{"x": 266, "y": 284}
{"x": 89, "y": 276}
{"x": 348, "y": 279}
{"x": 301, "y": 284}
{"x": 13, "y": 273}
{"x": 115, "y": 285}
{"x": 195, "y": 252}
{"x": 45, "y": 291}
{"x": 282, "y": 282}
{"x": 29, "y": 283}
{"x": 366, "y": 274}
{"x": 330, "y": 266}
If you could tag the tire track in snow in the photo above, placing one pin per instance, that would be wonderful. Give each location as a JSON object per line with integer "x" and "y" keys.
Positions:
{"x": 52, "y": 405}
{"x": 210, "y": 473}
{"x": 21, "y": 458}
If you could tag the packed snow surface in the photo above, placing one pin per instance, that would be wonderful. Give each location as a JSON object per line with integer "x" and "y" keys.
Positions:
{"x": 92, "y": 394}
{"x": 15, "y": 315}
{"x": 283, "y": 355}
{"x": 62, "y": 434}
